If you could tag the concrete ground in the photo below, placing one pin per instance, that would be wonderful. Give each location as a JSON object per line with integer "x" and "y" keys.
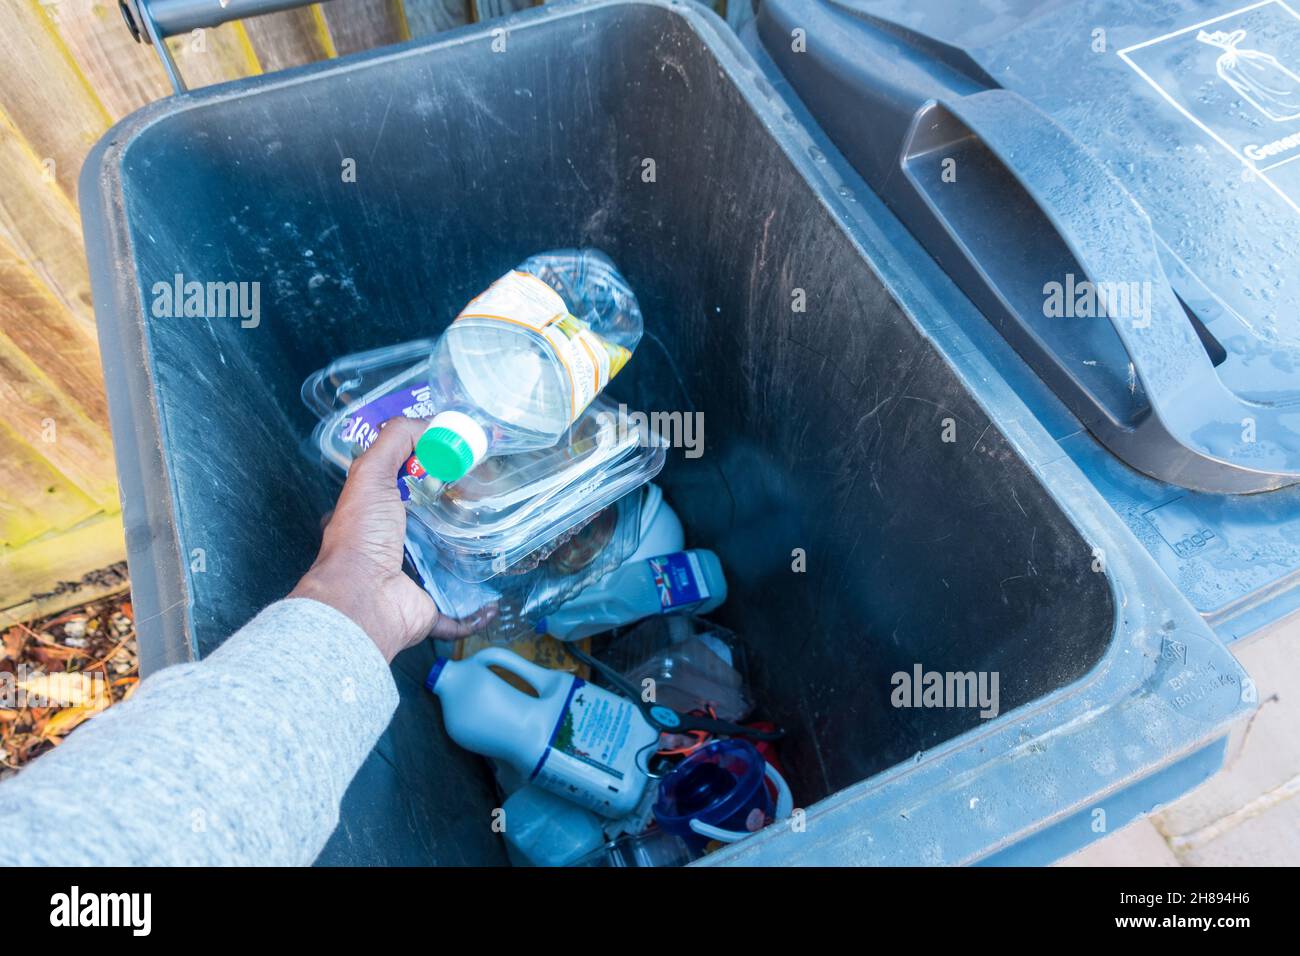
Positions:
{"x": 1249, "y": 813}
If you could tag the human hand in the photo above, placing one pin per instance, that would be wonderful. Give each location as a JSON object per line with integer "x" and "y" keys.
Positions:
{"x": 359, "y": 568}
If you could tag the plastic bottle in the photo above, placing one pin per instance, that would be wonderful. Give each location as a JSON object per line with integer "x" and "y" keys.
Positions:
{"x": 661, "y": 529}
{"x": 684, "y": 582}
{"x": 661, "y": 533}
{"x": 525, "y": 358}
{"x": 573, "y": 739}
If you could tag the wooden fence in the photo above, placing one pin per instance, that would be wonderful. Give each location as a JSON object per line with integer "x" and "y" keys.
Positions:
{"x": 68, "y": 70}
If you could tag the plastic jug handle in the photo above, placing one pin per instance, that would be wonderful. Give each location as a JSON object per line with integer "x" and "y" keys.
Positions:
{"x": 784, "y": 807}
{"x": 540, "y": 678}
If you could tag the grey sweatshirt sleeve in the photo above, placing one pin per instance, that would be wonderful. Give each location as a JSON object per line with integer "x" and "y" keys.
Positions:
{"x": 241, "y": 758}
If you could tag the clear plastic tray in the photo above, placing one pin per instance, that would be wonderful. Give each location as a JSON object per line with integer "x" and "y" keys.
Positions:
{"x": 511, "y": 507}
{"x": 538, "y": 585}
{"x": 347, "y": 381}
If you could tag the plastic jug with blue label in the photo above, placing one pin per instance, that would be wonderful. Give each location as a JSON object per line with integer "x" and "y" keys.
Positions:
{"x": 685, "y": 582}
{"x": 574, "y": 739}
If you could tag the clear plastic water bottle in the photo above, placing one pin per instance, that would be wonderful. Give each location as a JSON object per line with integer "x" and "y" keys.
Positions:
{"x": 525, "y": 358}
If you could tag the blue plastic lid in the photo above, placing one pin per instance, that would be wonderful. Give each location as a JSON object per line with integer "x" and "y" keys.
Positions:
{"x": 435, "y": 672}
{"x": 711, "y": 785}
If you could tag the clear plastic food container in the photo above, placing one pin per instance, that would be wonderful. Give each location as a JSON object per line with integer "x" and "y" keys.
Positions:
{"x": 537, "y": 585}
{"x": 509, "y": 508}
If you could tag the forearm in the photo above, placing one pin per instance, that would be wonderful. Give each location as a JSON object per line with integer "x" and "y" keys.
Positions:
{"x": 241, "y": 758}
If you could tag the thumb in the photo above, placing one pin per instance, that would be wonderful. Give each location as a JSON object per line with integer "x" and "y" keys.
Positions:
{"x": 396, "y": 442}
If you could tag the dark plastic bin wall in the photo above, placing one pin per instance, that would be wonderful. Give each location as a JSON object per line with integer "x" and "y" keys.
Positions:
{"x": 822, "y": 428}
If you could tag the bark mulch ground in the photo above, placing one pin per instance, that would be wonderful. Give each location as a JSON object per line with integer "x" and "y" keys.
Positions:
{"x": 57, "y": 673}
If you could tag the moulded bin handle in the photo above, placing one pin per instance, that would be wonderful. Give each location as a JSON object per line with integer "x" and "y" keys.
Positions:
{"x": 1194, "y": 432}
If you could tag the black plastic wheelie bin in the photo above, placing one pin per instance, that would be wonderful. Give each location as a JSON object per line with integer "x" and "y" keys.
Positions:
{"x": 849, "y": 416}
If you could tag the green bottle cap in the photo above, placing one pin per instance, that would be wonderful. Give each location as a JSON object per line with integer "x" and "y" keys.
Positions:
{"x": 444, "y": 454}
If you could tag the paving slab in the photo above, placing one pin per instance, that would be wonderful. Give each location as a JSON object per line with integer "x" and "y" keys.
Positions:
{"x": 1138, "y": 844}
{"x": 1269, "y": 753}
{"x": 1270, "y": 837}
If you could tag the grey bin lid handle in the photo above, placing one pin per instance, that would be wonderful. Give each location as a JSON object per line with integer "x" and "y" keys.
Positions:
{"x": 1191, "y": 430}
{"x": 152, "y": 21}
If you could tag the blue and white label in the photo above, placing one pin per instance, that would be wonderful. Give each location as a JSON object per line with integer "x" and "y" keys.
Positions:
{"x": 679, "y": 579}
{"x": 592, "y": 756}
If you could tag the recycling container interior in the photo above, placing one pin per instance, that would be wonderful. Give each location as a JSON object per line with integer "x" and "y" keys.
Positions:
{"x": 858, "y": 540}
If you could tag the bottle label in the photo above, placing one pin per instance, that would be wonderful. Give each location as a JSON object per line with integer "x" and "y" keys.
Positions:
{"x": 362, "y": 427}
{"x": 518, "y": 298}
{"x": 588, "y": 360}
{"x": 679, "y": 580}
{"x": 591, "y": 759}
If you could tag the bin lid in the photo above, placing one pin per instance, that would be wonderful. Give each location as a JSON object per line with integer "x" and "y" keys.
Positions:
{"x": 1115, "y": 185}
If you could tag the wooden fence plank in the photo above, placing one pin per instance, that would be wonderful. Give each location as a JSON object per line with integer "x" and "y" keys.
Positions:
{"x": 52, "y": 392}
{"x": 45, "y": 94}
{"x": 62, "y": 348}
{"x": 365, "y": 24}
{"x": 290, "y": 38}
{"x": 59, "y": 570}
{"x": 124, "y": 74}
{"x": 43, "y": 416}
{"x": 56, "y": 346}
{"x": 213, "y": 54}
{"x": 37, "y": 498}
{"x": 39, "y": 223}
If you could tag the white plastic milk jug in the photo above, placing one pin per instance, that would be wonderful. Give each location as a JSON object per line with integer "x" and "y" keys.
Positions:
{"x": 573, "y": 739}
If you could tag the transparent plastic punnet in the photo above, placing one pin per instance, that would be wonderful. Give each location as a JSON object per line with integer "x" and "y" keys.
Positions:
{"x": 540, "y": 583}
{"x": 510, "y": 507}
